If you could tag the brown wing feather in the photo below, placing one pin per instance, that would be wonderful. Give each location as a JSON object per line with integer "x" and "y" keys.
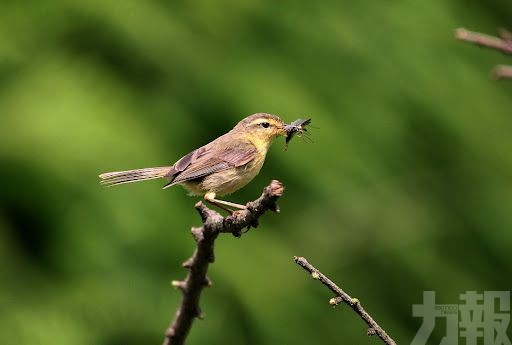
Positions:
{"x": 205, "y": 161}
{"x": 240, "y": 155}
{"x": 195, "y": 171}
{"x": 186, "y": 160}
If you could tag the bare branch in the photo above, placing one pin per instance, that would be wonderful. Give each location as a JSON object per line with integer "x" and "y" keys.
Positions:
{"x": 497, "y": 43}
{"x": 502, "y": 72}
{"x": 205, "y": 236}
{"x": 502, "y": 43}
{"x": 342, "y": 296}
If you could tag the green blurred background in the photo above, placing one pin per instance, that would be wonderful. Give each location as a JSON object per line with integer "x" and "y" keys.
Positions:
{"x": 407, "y": 187}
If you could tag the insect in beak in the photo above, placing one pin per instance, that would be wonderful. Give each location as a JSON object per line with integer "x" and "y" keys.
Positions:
{"x": 296, "y": 127}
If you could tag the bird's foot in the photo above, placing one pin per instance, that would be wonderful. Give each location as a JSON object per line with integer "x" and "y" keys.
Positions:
{"x": 222, "y": 204}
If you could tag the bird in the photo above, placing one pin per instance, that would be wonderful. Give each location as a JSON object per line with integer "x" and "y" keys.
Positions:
{"x": 220, "y": 167}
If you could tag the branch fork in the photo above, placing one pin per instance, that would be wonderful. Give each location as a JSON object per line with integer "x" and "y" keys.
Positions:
{"x": 205, "y": 236}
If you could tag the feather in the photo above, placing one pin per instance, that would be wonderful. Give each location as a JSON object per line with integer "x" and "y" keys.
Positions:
{"x": 128, "y": 176}
{"x": 205, "y": 161}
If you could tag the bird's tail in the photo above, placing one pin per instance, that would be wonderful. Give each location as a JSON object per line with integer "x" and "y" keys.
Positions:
{"x": 128, "y": 176}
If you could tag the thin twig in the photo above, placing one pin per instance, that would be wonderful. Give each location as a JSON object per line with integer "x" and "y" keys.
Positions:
{"x": 497, "y": 43}
{"x": 502, "y": 43}
{"x": 502, "y": 72}
{"x": 342, "y": 296}
{"x": 196, "y": 280}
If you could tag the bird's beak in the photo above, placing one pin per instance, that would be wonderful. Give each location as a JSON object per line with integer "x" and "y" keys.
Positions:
{"x": 282, "y": 130}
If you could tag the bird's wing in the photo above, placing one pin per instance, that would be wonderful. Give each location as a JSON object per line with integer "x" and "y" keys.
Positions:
{"x": 205, "y": 161}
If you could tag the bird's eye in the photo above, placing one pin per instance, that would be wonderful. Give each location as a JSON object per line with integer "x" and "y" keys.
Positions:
{"x": 265, "y": 124}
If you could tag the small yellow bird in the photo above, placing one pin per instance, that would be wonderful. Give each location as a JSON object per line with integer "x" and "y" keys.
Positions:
{"x": 222, "y": 166}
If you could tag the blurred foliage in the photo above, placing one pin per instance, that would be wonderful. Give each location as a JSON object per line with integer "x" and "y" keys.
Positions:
{"x": 407, "y": 187}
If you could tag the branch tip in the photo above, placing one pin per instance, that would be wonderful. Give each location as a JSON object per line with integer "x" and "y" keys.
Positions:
{"x": 460, "y": 33}
{"x": 276, "y": 188}
{"x": 187, "y": 263}
{"x": 203, "y": 211}
{"x": 179, "y": 284}
{"x": 300, "y": 260}
{"x": 502, "y": 72}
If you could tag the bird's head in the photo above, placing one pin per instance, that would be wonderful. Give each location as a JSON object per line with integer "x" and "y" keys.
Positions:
{"x": 261, "y": 128}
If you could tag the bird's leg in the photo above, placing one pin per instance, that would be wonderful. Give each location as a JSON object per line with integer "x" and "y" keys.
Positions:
{"x": 210, "y": 197}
